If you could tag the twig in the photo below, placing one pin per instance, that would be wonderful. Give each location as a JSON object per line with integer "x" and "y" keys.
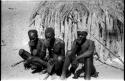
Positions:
{"x": 108, "y": 50}
{"x": 110, "y": 65}
{"x": 17, "y": 63}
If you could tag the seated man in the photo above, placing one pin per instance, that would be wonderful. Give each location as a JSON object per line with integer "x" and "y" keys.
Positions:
{"x": 35, "y": 45}
{"x": 81, "y": 52}
{"x": 56, "y": 52}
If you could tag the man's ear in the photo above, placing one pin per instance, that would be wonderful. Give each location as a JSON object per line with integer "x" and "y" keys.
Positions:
{"x": 86, "y": 33}
{"x": 54, "y": 35}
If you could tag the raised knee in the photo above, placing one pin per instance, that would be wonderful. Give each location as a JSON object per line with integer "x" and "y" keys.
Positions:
{"x": 21, "y": 51}
{"x": 60, "y": 58}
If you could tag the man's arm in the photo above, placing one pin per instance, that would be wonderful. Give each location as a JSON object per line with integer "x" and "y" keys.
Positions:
{"x": 63, "y": 49}
{"x": 43, "y": 51}
{"x": 89, "y": 52}
{"x": 74, "y": 48}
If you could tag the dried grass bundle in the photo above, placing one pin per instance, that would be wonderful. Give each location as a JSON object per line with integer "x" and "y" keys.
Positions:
{"x": 104, "y": 19}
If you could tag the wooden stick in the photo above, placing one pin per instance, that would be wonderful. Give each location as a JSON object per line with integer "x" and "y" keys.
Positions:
{"x": 110, "y": 65}
{"x": 17, "y": 63}
{"x": 108, "y": 50}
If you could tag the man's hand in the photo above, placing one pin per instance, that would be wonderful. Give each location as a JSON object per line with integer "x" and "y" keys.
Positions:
{"x": 34, "y": 52}
{"x": 96, "y": 56}
{"x": 78, "y": 42}
{"x": 51, "y": 61}
{"x": 27, "y": 65}
{"x": 75, "y": 62}
{"x": 29, "y": 59}
{"x": 77, "y": 58}
{"x": 50, "y": 65}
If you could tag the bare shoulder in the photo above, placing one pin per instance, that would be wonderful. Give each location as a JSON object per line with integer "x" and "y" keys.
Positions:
{"x": 91, "y": 41}
{"x": 59, "y": 41}
{"x": 41, "y": 40}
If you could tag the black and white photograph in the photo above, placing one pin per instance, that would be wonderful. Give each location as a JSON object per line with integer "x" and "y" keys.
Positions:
{"x": 62, "y": 40}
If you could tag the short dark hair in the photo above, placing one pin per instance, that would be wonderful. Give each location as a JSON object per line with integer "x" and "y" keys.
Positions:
{"x": 82, "y": 32}
{"x": 50, "y": 30}
{"x": 33, "y": 31}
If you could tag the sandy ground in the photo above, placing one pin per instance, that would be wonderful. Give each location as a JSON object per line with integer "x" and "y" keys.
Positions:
{"x": 15, "y": 21}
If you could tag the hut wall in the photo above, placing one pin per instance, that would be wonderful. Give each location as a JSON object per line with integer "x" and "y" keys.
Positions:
{"x": 105, "y": 28}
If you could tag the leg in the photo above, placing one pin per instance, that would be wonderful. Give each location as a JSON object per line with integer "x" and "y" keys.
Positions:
{"x": 37, "y": 60}
{"x": 66, "y": 64}
{"x": 36, "y": 67}
{"x": 73, "y": 68}
{"x": 37, "y": 64}
{"x": 31, "y": 63}
{"x": 58, "y": 67}
{"x": 24, "y": 54}
{"x": 94, "y": 73}
{"x": 81, "y": 70}
{"x": 89, "y": 68}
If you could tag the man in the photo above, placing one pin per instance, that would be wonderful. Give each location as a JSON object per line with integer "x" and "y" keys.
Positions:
{"x": 35, "y": 45}
{"x": 81, "y": 52}
{"x": 56, "y": 50}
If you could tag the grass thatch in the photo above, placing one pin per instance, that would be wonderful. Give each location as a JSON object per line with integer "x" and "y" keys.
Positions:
{"x": 104, "y": 19}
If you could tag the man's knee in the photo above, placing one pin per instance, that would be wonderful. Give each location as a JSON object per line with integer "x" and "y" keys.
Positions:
{"x": 34, "y": 52}
{"x": 21, "y": 52}
{"x": 24, "y": 54}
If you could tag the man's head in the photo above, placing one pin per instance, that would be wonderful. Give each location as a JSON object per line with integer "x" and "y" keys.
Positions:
{"x": 33, "y": 36}
{"x": 50, "y": 36}
{"x": 81, "y": 36}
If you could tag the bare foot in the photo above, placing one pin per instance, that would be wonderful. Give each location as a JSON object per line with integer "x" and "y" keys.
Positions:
{"x": 95, "y": 75}
{"x": 63, "y": 77}
{"x": 53, "y": 77}
{"x": 46, "y": 77}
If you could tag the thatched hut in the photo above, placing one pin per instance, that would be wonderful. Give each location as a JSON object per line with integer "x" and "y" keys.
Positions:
{"x": 103, "y": 19}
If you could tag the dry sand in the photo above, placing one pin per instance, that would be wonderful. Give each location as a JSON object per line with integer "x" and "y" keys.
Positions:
{"x": 15, "y": 21}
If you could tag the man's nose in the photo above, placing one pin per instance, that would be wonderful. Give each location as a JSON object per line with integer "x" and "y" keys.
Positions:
{"x": 80, "y": 36}
{"x": 32, "y": 40}
{"x": 48, "y": 39}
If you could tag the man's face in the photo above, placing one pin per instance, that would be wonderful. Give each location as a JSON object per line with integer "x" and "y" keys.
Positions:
{"x": 33, "y": 39}
{"x": 49, "y": 39}
{"x": 81, "y": 37}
